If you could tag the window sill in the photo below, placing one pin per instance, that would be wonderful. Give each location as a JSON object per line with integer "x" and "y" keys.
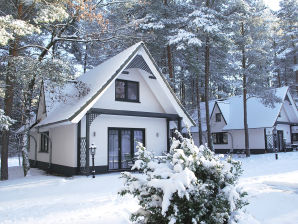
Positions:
{"x": 42, "y": 152}
{"x": 128, "y": 101}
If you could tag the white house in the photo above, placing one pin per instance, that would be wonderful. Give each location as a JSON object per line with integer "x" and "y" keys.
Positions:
{"x": 226, "y": 121}
{"x": 121, "y": 101}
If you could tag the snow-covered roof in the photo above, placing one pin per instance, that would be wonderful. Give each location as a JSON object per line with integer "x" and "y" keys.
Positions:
{"x": 259, "y": 115}
{"x": 74, "y": 105}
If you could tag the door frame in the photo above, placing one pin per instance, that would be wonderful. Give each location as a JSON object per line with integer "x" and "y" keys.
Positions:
{"x": 119, "y": 144}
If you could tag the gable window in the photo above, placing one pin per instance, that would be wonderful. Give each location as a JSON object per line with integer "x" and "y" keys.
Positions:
{"x": 220, "y": 138}
{"x": 218, "y": 117}
{"x": 126, "y": 90}
{"x": 44, "y": 141}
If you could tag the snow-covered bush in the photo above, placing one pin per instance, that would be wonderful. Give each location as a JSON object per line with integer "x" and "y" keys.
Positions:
{"x": 5, "y": 121}
{"x": 190, "y": 185}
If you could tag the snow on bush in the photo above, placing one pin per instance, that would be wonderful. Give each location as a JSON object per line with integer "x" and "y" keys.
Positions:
{"x": 189, "y": 185}
{"x": 5, "y": 121}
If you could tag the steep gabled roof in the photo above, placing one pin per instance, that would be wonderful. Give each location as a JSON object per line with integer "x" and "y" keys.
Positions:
{"x": 72, "y": 109}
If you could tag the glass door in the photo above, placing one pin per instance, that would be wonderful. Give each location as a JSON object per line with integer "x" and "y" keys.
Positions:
{"x": 125, "y": 148}
{"x": 122, "y": 144}
{"x": 113, "y": 147}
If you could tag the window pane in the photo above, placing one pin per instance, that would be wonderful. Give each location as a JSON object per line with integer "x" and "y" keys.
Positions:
{"x": 138, "y": 137}
{"x": 225, "y": 138}
{"x": 120, "y": 89}
{"x": 218, "y": 117}
{"x": 132, "y": 91}
{"x": 125, "y": 148}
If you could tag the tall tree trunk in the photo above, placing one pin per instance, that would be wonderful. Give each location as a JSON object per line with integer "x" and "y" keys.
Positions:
{"x": 170, "y": 67}
{"x": 8, "y": 104}
{"x": 275, "y": 60}
{"x": 207, "y": 77}
{"x": 244, "y": 79}
{"x": 199, "y": 124}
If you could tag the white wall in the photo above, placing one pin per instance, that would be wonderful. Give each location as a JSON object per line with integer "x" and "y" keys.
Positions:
{"x": 152, "y": 126}
{"x": 64, "y": 146}
{"x": 216, "y": 126}
{"x": 148, "y": 101}
{"x": 256, "y": 139}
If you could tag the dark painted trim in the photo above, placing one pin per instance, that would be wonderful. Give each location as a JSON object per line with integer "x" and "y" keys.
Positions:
{"x": 265, "y": 140}
{"x": 284, "y": 122}
{"x": 78, "y": 144}
{"x": 134, "y": 113}
{"x": 179, "y": 120}
{"x": 87, "y": 141}
{"x": 291, "y": 134}
{"x": 237, "y": 151}
{"x": 64, "y": 170}
{"x": 168, "y": 135}
{"x": 55, "y": 168}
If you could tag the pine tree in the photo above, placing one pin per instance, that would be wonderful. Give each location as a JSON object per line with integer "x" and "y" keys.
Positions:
{"x": 252, "y": 54}
{"x": 287, "y": 33}
{"x": 190, "y": 185}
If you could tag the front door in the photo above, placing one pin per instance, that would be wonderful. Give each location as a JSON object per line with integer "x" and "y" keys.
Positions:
{"x": 122, "y": 146}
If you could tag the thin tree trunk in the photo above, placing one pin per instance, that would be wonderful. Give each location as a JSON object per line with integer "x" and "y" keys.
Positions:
{"x": 247, "y": 149}
{"x": 85, "y": 57}
{"x": 199, "y": 111}
{"x": 275, "y": 60}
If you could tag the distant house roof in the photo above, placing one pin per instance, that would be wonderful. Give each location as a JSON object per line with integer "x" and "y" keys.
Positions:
{"x": 259, "y": 115}
{"x": 71, "y": 109}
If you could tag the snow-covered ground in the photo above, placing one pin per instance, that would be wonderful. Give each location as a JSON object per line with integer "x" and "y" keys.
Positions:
{"x": 272, "y": 186}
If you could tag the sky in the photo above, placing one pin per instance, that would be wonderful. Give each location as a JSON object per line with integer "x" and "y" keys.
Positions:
{"x": 273, "y": 4}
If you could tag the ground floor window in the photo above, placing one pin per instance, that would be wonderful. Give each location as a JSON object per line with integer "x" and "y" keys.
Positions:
{"x": 294, "y": 137}
{"x": 220, "y": 138}
{"x": 44, "y": 141}
{"x": 122, "y": 145}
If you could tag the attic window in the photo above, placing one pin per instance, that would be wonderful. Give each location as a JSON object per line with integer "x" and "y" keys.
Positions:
{"x": 218, "y": 117}
{"x": 126, "y": 91}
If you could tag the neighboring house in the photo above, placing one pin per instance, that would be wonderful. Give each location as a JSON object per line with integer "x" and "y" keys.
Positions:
{"x": 226, "y": 120}
{"x": 121, "y": 101}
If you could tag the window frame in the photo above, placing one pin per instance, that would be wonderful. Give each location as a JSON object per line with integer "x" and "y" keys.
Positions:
{"x": 294, "y": 137}
{"x": 218, "y": 117}
{"x": 44, "y": 147}
{"x": 214, "y": 138}
{"x": 126, "y": 99}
